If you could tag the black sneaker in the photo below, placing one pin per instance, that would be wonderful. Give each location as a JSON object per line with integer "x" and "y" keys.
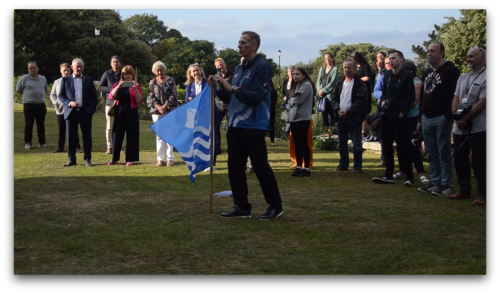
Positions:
{"x": 271, "y": 214}
{"x": 408, "y": 183}
{"x": 251, "y": 170}
{"x": 304, "y": 173}
{"x": 356, "y": 170}
{"x": 383, "y": 180}
{"x": 296, "y": 172}
{"x": 429, "y": 188}
{"x": 443, "y": 191}
{"x": 236, "y": 213}
{"x": 340, "y": 168}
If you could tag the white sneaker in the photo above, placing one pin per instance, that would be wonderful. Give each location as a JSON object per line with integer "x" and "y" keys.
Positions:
{"x": 27, "y": 146}
{"x": 43, "y": 145}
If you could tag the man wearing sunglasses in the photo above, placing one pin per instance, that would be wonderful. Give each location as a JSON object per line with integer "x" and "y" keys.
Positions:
{"x": 439, "y": 82}
{"x": 469, "y": 133}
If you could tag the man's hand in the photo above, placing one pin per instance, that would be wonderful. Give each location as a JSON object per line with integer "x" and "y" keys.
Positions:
{"x": 342, "y": 114}
{"x": 401, "y": 115}
{"x": 382, "y": 105}
{"x": 190, "y": 98}
{"x": 461, "y": 125}
{"x": 213, "y": 79}
{"x": 419, "y": 127}
{"x": 74, "y": 104}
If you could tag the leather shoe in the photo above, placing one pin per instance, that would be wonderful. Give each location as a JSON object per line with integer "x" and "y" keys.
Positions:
{"x": 481, "y": 201}
{"x": 458, "y": 195}
{"x": 58, "y": 150}
{"x": 109, "y": 151}
{"x": 79, "y": 150}
{"x": 381, "y": 164}
{"x": 88, "y": 163}
{"x": 69, "y": 164}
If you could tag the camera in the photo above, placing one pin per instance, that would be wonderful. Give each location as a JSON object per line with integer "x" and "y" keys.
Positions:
{"x": 460, "y": 112}
{"x": 387, "y": 105}
{"x": 417, "y": 138}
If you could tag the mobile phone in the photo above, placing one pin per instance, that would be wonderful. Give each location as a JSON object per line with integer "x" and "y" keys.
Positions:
{"x": 127, "y": 84}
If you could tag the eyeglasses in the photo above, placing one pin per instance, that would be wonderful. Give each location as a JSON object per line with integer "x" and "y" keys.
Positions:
{"x": 480, "y": 49}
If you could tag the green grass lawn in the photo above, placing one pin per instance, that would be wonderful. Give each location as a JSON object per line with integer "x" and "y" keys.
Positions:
{"x": 149, "y": 220}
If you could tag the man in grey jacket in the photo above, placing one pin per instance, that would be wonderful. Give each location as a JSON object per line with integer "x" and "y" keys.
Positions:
{"x": 109, "y": 78}
{"x": 61, "y": 123}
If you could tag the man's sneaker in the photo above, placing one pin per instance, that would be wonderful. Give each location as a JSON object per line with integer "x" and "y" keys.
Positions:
{"x": 443, "y": 191}
{"x": 408, "y": 183}
{"x": 356, "y": 170}
{"x": 27, "y": 146}
{"x": 383, "y": 180}
{"x": 398, "y": 176}
{"x": 296, "y": 172}
{"x": 43, "y": 145}
{"x": 340, "y": 168}
{"x": 429, "y": 188}
{"x": 271, "y": 214}
{"x": 304, "y": 173}
{"x": 236, "y": 213}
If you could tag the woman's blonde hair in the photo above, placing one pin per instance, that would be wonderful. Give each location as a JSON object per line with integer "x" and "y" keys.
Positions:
{"x": 158, "y": 64}
{"x": 128, "y": 70}
{"x": 189, "y": 78}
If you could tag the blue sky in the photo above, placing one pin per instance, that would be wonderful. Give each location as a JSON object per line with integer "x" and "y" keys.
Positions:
{"x": 300, "y": 34}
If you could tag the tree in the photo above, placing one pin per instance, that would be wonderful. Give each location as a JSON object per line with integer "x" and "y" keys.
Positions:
{"x": 160, "y": 48}
{"x": 458, "y": 36}
{"x": 148, "y": 29}
{"x": 231, "y": 57}
{"x": 36, "y": 39}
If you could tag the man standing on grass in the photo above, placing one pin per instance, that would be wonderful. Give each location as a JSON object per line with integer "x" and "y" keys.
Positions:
{"x": 439, "y": 83}
{"x": 470, "y": 134}
{"x": 249, "y": 99}
{"x": 61, "y": 123}
{"x": 79, "y": 98}
{"x": 108, "y": 79}
{"x": 349, "y": 102}
{"x": 398, "y": 95}
{"x": 33, "y": 87}
{"x": 223, "y": 107}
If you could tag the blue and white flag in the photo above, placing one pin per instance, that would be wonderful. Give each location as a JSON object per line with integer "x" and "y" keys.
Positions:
{"x": 187, "y": 128}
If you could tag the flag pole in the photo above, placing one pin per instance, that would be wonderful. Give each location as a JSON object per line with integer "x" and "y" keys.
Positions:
{"x": 211, "y": 144}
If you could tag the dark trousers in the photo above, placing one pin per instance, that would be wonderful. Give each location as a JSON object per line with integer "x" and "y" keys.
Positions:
{"x": 328, "y": 115}
{"x": 416, "y": 154}
{"x": 243, "y": 143}
{"x": 61, "y": 123}
{"x": 218, "y": 123}
{"x": 476, "y": 143}
{"x": 126, "y": 121}
{"x": 34, "y": 112}
{"x": 77, "y": 116}
{"x": 390, "y": 128}
{"x": 299, "y": 131}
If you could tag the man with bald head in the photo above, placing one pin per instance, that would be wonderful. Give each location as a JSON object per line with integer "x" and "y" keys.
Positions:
{"x": 469, "y": 133}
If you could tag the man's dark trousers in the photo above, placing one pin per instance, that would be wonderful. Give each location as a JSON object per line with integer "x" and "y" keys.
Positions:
{"x": 77, "y": 116}
{"x": 34, "y": 112}
{"x": 476, "y": 143}
{"x": 61, "y": 124}
{"x": 390, "y": 128}
{"x": 243, "y": 143}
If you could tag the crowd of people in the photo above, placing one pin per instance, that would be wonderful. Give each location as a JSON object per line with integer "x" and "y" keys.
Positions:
{"x": 407, "y": 108}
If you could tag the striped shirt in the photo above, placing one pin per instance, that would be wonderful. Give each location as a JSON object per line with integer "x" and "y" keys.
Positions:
{"x": 471, "y": 87}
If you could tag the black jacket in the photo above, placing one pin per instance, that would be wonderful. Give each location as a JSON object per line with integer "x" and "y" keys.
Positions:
{"x": 358, "y": 100}
{"x": 399, "y": 89}
{"x": 108, "y": 79}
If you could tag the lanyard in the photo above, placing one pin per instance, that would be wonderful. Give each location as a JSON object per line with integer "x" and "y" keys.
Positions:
{"x": 469, "y": 85}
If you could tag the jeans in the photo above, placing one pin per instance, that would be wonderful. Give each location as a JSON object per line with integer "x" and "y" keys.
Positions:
{"x": 243, "y": 143}
{"x": 476, "y": 143}
{"x": 437, "y": 137}
{"x": 34, "y": 112}
{"x": 347, "y": 127}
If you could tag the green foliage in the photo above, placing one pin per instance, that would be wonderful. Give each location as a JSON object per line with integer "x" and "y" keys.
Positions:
{"x": 230, "y": 56}
{"x": 325, "y": 143}
{"x": 148, "y": 29}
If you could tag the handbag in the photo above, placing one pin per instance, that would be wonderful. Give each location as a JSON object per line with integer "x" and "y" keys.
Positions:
{"x": 321, "y": 106}
{"x": 111, "y": 111}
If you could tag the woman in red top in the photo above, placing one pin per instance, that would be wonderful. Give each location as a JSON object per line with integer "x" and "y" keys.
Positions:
{"x": 128, "y": 95}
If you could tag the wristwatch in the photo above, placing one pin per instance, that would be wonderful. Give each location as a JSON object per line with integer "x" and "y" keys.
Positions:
{"x": 234, "y": 89}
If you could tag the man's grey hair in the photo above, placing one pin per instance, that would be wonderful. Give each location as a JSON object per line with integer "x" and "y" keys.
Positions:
{"x": 254, "y": 38}
{"x": 350, "y": 60}
{"x": 76, "y": 60}
{"x": 158, "y": 64}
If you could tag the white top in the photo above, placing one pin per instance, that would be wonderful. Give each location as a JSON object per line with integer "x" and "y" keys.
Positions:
{"x": 78, "y": 90}
{"x": 471, "y": 87}
{"x": 345, "y": 95}
{"x": 197, "y": 87}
